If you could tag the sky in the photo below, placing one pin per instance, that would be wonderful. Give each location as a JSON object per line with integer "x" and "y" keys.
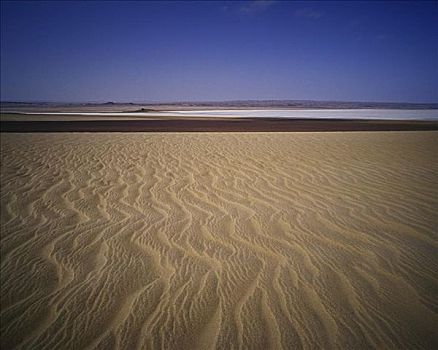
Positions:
{"x": 212, "y": 51}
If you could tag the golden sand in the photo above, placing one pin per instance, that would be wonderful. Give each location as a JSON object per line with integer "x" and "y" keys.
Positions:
{"x": 226, "y": 241}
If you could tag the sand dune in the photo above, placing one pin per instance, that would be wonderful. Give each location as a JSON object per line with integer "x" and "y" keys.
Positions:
{"x": 226, "y": 241}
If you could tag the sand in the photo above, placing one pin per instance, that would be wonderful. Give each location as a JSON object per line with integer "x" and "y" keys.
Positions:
{"x": 226, "y": 241}
{"x": 213, "y": 124}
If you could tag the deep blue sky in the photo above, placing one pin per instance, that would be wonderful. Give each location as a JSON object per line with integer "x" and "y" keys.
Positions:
{"x": 143, "y": 51}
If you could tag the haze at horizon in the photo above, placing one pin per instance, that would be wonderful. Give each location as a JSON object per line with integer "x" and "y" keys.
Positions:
{"x": 180, "y": 51}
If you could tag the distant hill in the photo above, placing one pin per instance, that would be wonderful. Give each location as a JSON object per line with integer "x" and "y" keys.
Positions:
{"x": 296, "y": 104}
{"x": 286, "y": 104}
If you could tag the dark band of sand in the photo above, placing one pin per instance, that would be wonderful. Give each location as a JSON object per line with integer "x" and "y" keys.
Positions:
{"x": 216, "y": 125}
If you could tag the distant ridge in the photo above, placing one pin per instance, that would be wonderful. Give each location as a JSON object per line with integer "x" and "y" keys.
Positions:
{"x": 304, "y": 104}
{"x": 288, "y": 104}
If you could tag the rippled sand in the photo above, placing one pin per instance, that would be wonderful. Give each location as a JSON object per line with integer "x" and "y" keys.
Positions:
{"x": 203, "y": 241}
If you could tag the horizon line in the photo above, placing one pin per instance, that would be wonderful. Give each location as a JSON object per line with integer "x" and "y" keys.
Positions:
{"x": 211, "y": 101}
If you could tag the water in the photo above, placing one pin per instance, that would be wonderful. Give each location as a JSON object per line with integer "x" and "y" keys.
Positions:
{"x": 391, "y": 114}
{"x": 387, "y": 114}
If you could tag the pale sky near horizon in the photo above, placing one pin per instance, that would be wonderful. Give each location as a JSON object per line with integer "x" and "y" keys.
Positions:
{"x": 211, "y": 51}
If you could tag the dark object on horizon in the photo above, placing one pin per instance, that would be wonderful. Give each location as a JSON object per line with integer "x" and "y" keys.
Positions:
{"x": 143, "y": 110}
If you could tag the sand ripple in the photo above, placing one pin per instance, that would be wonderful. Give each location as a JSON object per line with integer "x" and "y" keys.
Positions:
{"x": 227, "y": 241}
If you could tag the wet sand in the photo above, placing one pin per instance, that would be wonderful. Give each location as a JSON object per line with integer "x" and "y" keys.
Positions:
{"x": 219, "y": 240}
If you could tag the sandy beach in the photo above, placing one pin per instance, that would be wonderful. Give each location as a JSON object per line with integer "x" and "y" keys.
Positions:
{"x": 219, "y": 240}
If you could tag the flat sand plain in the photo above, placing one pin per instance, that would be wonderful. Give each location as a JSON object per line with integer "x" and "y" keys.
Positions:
{"x": 219, "y": 240}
